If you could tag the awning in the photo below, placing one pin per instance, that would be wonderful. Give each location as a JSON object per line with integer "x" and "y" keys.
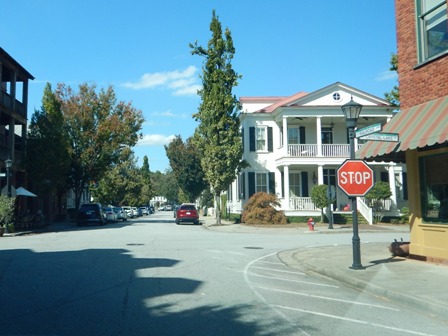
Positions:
{"x": 419, "y": 126}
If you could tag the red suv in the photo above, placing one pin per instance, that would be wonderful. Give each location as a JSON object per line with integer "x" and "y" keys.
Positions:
{"x": 187, "y": 213}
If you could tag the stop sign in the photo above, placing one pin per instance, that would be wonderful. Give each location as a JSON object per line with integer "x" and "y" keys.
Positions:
{"x": 355, "y": 177}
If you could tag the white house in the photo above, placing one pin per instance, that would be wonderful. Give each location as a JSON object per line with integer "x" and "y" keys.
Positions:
{"x": 294, "y": 143}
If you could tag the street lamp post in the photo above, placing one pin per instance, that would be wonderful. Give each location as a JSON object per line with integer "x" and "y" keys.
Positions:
{"x": 8, "y": 164}
{"x": 351, "y": 112}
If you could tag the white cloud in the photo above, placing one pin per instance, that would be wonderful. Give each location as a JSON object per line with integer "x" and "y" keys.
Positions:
{"x": 182, "y": 82}
{"x": 386, "y": 75}
{"x": 155, "y": 140}
{"x": 169, "y": 114}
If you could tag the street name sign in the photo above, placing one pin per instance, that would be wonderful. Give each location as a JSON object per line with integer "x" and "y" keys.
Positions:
{"x": 390, "y": 137}
{"x": 368, "y": 130}
{"x": 355, "y": 177}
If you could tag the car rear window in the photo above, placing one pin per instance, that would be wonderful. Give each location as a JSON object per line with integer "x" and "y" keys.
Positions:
{"x": 188, "y": 207}
{"x": 89, "y": 207}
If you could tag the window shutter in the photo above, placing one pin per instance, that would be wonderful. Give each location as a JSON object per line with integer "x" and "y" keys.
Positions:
{"x": 251, "y": 177}
{"x": 305, "y": 192}
{"x": 405, "y": 185}
{"x": 252, "y": 139}
{"x": 271, "y": 183}
{"x": 302, "y": 134}
{"x": 384, "y": 176}
{"x": 282, "y": 177}
{"x": 270, "y": 140}
{"x": 242, "y": 137}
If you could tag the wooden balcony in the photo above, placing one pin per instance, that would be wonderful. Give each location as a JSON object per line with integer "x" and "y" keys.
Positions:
{"x": 6, "y": 101}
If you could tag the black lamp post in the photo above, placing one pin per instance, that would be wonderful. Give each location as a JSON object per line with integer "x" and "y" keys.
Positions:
{"x": 8, "y": 164}
{"x": 351, "y": 111}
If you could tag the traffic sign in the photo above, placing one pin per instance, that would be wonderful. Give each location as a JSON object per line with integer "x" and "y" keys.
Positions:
{"x": 390, "y": 137}
{"x": 355, "y": 177}
{"x": 368, "y": 130}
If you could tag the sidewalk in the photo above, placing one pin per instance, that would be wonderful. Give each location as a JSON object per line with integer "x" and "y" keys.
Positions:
{"x": 413, "y": 283}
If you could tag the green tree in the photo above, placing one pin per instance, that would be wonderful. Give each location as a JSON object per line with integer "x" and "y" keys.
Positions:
{"x": 47, "y": 156}
{"x": 147, "y": 191}
{"x": 379, "y": 192}
{"x": 393, "y": 96}
{"x": 218, "y": 135}
{"x": 319, "y": 196}
{"x": 169, "y": 187}
{"x": 185, "y": 161}
{"x": 98, "y": 128}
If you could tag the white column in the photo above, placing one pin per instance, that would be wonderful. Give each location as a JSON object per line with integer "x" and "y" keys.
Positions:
{"x": 320, "y": 174}
{"x": 286, "y": 186}
{"x": 285, "y": 136}
{"x": 318, "y": 135}
{"x": 392, "y": 184}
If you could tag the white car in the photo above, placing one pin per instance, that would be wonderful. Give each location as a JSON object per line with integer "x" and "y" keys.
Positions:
{"x": 129, "y": 211}
{"x": 111, "y": 216}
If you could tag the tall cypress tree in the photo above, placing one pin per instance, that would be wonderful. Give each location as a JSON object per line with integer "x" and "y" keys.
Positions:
{"x": 218, "y": 135}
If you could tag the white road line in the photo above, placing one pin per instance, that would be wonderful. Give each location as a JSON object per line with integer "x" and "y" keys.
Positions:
{"x": 276, "y": 310}
{"x": 276, "y": 270}
{"x": 326, "y": 298}
{"x": 271, "y": 262}
{"x": 298, "y": 281}
{"x": 354, "y": 321}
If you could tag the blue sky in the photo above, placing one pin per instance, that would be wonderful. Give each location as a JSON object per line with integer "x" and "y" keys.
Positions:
{"x": 140, "y": 47}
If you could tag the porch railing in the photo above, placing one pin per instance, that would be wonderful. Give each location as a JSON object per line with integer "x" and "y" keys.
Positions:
{"x": 301, "y": 203}
{"x": 328, "y": 150}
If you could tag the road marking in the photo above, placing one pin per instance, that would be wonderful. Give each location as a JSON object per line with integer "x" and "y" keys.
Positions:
{"x": 354, "y": 320}
{"x": 275, "y": 270}
{"x": 327, "y": 298}
{"x": 298, "y": 281}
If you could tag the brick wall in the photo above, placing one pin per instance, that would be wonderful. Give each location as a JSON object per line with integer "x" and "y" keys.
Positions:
{"x": 418, "y": 83}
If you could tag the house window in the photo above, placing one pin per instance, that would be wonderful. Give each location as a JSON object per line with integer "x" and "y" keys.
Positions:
{"x": 293, "y": 136}
{"x": 327, "y": 135}
{"x": 432, "y": 26}
{"x": 261, "y": 138}
{"x": 261, "y": 182}
{"x": 434, "y": 188}
{"x": 294, "y": 184}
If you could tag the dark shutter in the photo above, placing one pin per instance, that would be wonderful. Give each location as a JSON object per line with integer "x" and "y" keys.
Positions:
{"x": 384, "y": 176}
{"x": 270, "y": 140}
{"x": 302, "y": 134}
{"x": 242, "y": 137}
{"x": 251, "y": 177}
{"x": 271, "y": 183}
{"x": 252, "y": 139}
{"x": 305, "y": 192}
{"x": 405, "y": 185}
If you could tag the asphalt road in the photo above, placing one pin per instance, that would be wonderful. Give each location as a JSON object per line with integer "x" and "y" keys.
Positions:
{"x": 149, "y": 276}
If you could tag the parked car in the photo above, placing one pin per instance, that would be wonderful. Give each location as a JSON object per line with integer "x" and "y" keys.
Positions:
{"x": 121, "y": 214}
{"x": 168, "y": 207}
{"x": 144, "y": 210}
{"x": 136, "y": 211}
{"x": 90, "y": 213}
{"x": 175, "y": 210}
{"x": 128, "y": 210}
{"x": 110, "y": 214}
{"x": 187, "y": 213}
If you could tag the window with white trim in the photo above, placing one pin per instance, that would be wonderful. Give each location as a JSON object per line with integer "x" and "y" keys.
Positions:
{"x": 261, "y": 138}
{"x": 293, "y": 136}
{"x": 294, "y": 184}
{"x": 432, "y": 23}
{"x": 261, "y": 182}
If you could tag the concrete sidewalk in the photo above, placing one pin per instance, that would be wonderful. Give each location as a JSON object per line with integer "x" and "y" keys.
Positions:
{"x": 408, "y": 282}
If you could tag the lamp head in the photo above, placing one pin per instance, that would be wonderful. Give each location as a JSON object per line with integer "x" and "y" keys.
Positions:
{"x": 8, "y": 163}
{"x": 351, "y": 111}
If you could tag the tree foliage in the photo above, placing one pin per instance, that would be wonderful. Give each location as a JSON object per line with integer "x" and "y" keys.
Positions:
{"x": 47, "y": 156}
{"x": 185, "y": 161}
{"x": 260, "y": 209}
{"x": 393, "y": 96}
{"x": 98, "y": 128}
{"x": 319, "y": 196}
{"x": 218, "y": 134}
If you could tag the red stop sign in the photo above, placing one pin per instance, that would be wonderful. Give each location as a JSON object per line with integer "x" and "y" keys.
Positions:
{"x": 355, "y": 177}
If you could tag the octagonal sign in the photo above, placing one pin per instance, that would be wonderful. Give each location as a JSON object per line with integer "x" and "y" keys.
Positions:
{"x": 355, "y": 177}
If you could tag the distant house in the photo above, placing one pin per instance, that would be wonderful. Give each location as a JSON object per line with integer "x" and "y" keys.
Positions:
{"x": 422, "y": 36}
{"x": 296, "y": 142}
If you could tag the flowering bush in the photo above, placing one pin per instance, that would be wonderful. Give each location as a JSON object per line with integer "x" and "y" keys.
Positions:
{"x": 260, "y": 209}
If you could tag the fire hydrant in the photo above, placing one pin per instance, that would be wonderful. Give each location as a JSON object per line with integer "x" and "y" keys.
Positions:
{"x": 311, "y": 224}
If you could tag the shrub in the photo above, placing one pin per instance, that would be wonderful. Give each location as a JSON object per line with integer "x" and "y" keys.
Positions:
{"x": 260, "y": 209}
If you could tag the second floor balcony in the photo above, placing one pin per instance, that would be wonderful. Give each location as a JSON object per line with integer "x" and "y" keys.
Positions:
{"x": 325, "y": 150}
{"x": 19, "y": 107}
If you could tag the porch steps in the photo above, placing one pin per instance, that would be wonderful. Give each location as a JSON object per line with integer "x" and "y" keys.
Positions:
{"x": 340, "y": 218}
